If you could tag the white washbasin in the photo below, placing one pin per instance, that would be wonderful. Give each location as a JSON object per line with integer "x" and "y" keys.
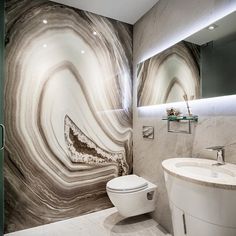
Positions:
{"x": 202, "y": 196}
{"x": 202, "y": 171}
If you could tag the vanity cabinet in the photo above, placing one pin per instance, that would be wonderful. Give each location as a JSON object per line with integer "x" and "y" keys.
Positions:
{"x": 185, "y": 224}
{"x": 201, "y": 196}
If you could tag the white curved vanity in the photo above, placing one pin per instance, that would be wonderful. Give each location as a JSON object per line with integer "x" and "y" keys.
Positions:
{"x": 202, "y": 196}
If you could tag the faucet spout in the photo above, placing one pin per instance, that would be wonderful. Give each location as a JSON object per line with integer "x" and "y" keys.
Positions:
{"x": 220, "y": 154}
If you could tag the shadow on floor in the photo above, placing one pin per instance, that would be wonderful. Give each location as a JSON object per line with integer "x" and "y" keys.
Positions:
{"x": 136, "y": 224}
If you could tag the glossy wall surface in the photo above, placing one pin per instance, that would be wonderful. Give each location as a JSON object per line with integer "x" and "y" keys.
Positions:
{"x": 67, "y": 110}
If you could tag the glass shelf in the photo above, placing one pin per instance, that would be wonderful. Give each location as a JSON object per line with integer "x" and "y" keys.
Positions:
{"x": 179, "y": 118}
{"x": 188, "y": 119}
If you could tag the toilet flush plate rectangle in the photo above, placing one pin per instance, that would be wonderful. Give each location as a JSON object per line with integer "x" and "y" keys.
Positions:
{"x": 148, "y": 132}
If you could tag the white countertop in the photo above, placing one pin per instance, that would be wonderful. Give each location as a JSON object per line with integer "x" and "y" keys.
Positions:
{"x": 202, "y": 171}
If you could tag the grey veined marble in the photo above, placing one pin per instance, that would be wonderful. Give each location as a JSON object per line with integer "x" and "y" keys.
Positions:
{"x": 169, "y": 75}
{"x": 67, "y": 111}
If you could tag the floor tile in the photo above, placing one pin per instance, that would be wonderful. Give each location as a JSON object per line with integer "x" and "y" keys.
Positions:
{"x": 103, "y": 223}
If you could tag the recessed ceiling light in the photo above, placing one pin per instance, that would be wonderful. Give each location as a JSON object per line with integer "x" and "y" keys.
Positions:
{"x": 45, "y": 45}
{"x": 94, "y": 33}
{"x": 45, "y": 21}
{"x": 82, "y": 52}
{"x": 211, "y": 27}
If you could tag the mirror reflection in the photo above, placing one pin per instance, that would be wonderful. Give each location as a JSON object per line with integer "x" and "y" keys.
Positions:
{"x": 201, "y": 66}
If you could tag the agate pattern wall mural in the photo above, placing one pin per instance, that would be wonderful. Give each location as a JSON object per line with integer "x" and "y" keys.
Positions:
{"x": 67, "y": 111}
{"x": 170, "y": 75}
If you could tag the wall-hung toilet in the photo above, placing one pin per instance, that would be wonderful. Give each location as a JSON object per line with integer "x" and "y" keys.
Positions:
{"x": 132, "y": 195}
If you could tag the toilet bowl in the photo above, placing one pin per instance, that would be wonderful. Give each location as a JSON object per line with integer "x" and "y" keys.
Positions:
{"x": 132, "y": 195}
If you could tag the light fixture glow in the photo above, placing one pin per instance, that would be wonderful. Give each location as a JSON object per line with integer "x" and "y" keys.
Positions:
{"x": 45, "y": 45}
{"x": 82, "y": 52}
{"x": 45, "y": 21}
{"x": 211, "y": 27}
{"x": 202, "y": 107}
{"x": 94, "y": 33}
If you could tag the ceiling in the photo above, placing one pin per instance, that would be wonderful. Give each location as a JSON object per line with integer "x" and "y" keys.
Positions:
{"x": 223, "y": 27}
{"x": 128, "y": 11}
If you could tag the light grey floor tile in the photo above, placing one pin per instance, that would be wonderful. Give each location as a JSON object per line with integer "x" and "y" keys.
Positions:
{"x": 102, "y": 223}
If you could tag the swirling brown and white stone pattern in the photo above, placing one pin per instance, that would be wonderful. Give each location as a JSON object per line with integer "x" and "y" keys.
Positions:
{"x": 67, "y": 111}
{"x": 169, "y": 75}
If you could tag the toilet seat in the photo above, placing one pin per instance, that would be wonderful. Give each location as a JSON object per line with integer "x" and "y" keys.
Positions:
{"x": 127, "y": 184}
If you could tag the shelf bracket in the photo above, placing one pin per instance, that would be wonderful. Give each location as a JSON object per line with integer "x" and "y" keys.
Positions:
{"x": 189, "y": 131}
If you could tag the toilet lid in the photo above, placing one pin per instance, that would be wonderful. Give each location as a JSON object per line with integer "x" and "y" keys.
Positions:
{"x": 127, "y": 182}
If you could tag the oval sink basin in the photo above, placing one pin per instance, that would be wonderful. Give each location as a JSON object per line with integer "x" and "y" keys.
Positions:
{"x": 202, "y": 170}
{"x": 201, "y": 196}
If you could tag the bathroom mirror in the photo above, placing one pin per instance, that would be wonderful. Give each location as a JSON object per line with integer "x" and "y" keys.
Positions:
{"x": 201, "y": 66}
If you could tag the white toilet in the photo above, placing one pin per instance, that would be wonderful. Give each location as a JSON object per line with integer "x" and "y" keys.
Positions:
{"x": 132, "y": 195}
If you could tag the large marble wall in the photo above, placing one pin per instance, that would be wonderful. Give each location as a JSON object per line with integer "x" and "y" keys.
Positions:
{"x": 168, "y": 22}
{"x": 68, "y": 109}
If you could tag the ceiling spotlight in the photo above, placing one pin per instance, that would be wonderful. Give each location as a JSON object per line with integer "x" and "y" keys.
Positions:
{"x": 45, "y": 45}
{"x": 45, "y": 21}
{"x": 82, "y": 52}
{"x": 212, "y": 27}
{"x": 94, "y": 33}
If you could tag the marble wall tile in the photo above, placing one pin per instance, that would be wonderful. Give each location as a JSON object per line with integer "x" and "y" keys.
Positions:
{"x": 68, "y": 111}
{"x": 167, "y": 23}
{"x": 216, "y": 130}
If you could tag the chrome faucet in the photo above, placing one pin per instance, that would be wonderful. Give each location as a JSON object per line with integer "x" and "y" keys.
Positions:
{"x": 220, "y": 154}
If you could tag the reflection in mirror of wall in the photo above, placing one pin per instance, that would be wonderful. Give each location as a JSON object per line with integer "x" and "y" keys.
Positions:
{"x": 170, "y": 75}
{"x": 201, "y": 66}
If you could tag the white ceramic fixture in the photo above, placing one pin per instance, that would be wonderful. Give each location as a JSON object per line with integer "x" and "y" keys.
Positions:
{"x": 132, "y": 195}
{"x": 202, "y": 196}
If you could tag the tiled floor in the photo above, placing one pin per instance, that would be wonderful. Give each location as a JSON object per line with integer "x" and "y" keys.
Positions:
{"x": 102, "y": 223}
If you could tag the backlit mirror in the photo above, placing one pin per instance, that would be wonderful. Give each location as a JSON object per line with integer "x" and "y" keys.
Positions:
{"x": 201, "y": 66}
